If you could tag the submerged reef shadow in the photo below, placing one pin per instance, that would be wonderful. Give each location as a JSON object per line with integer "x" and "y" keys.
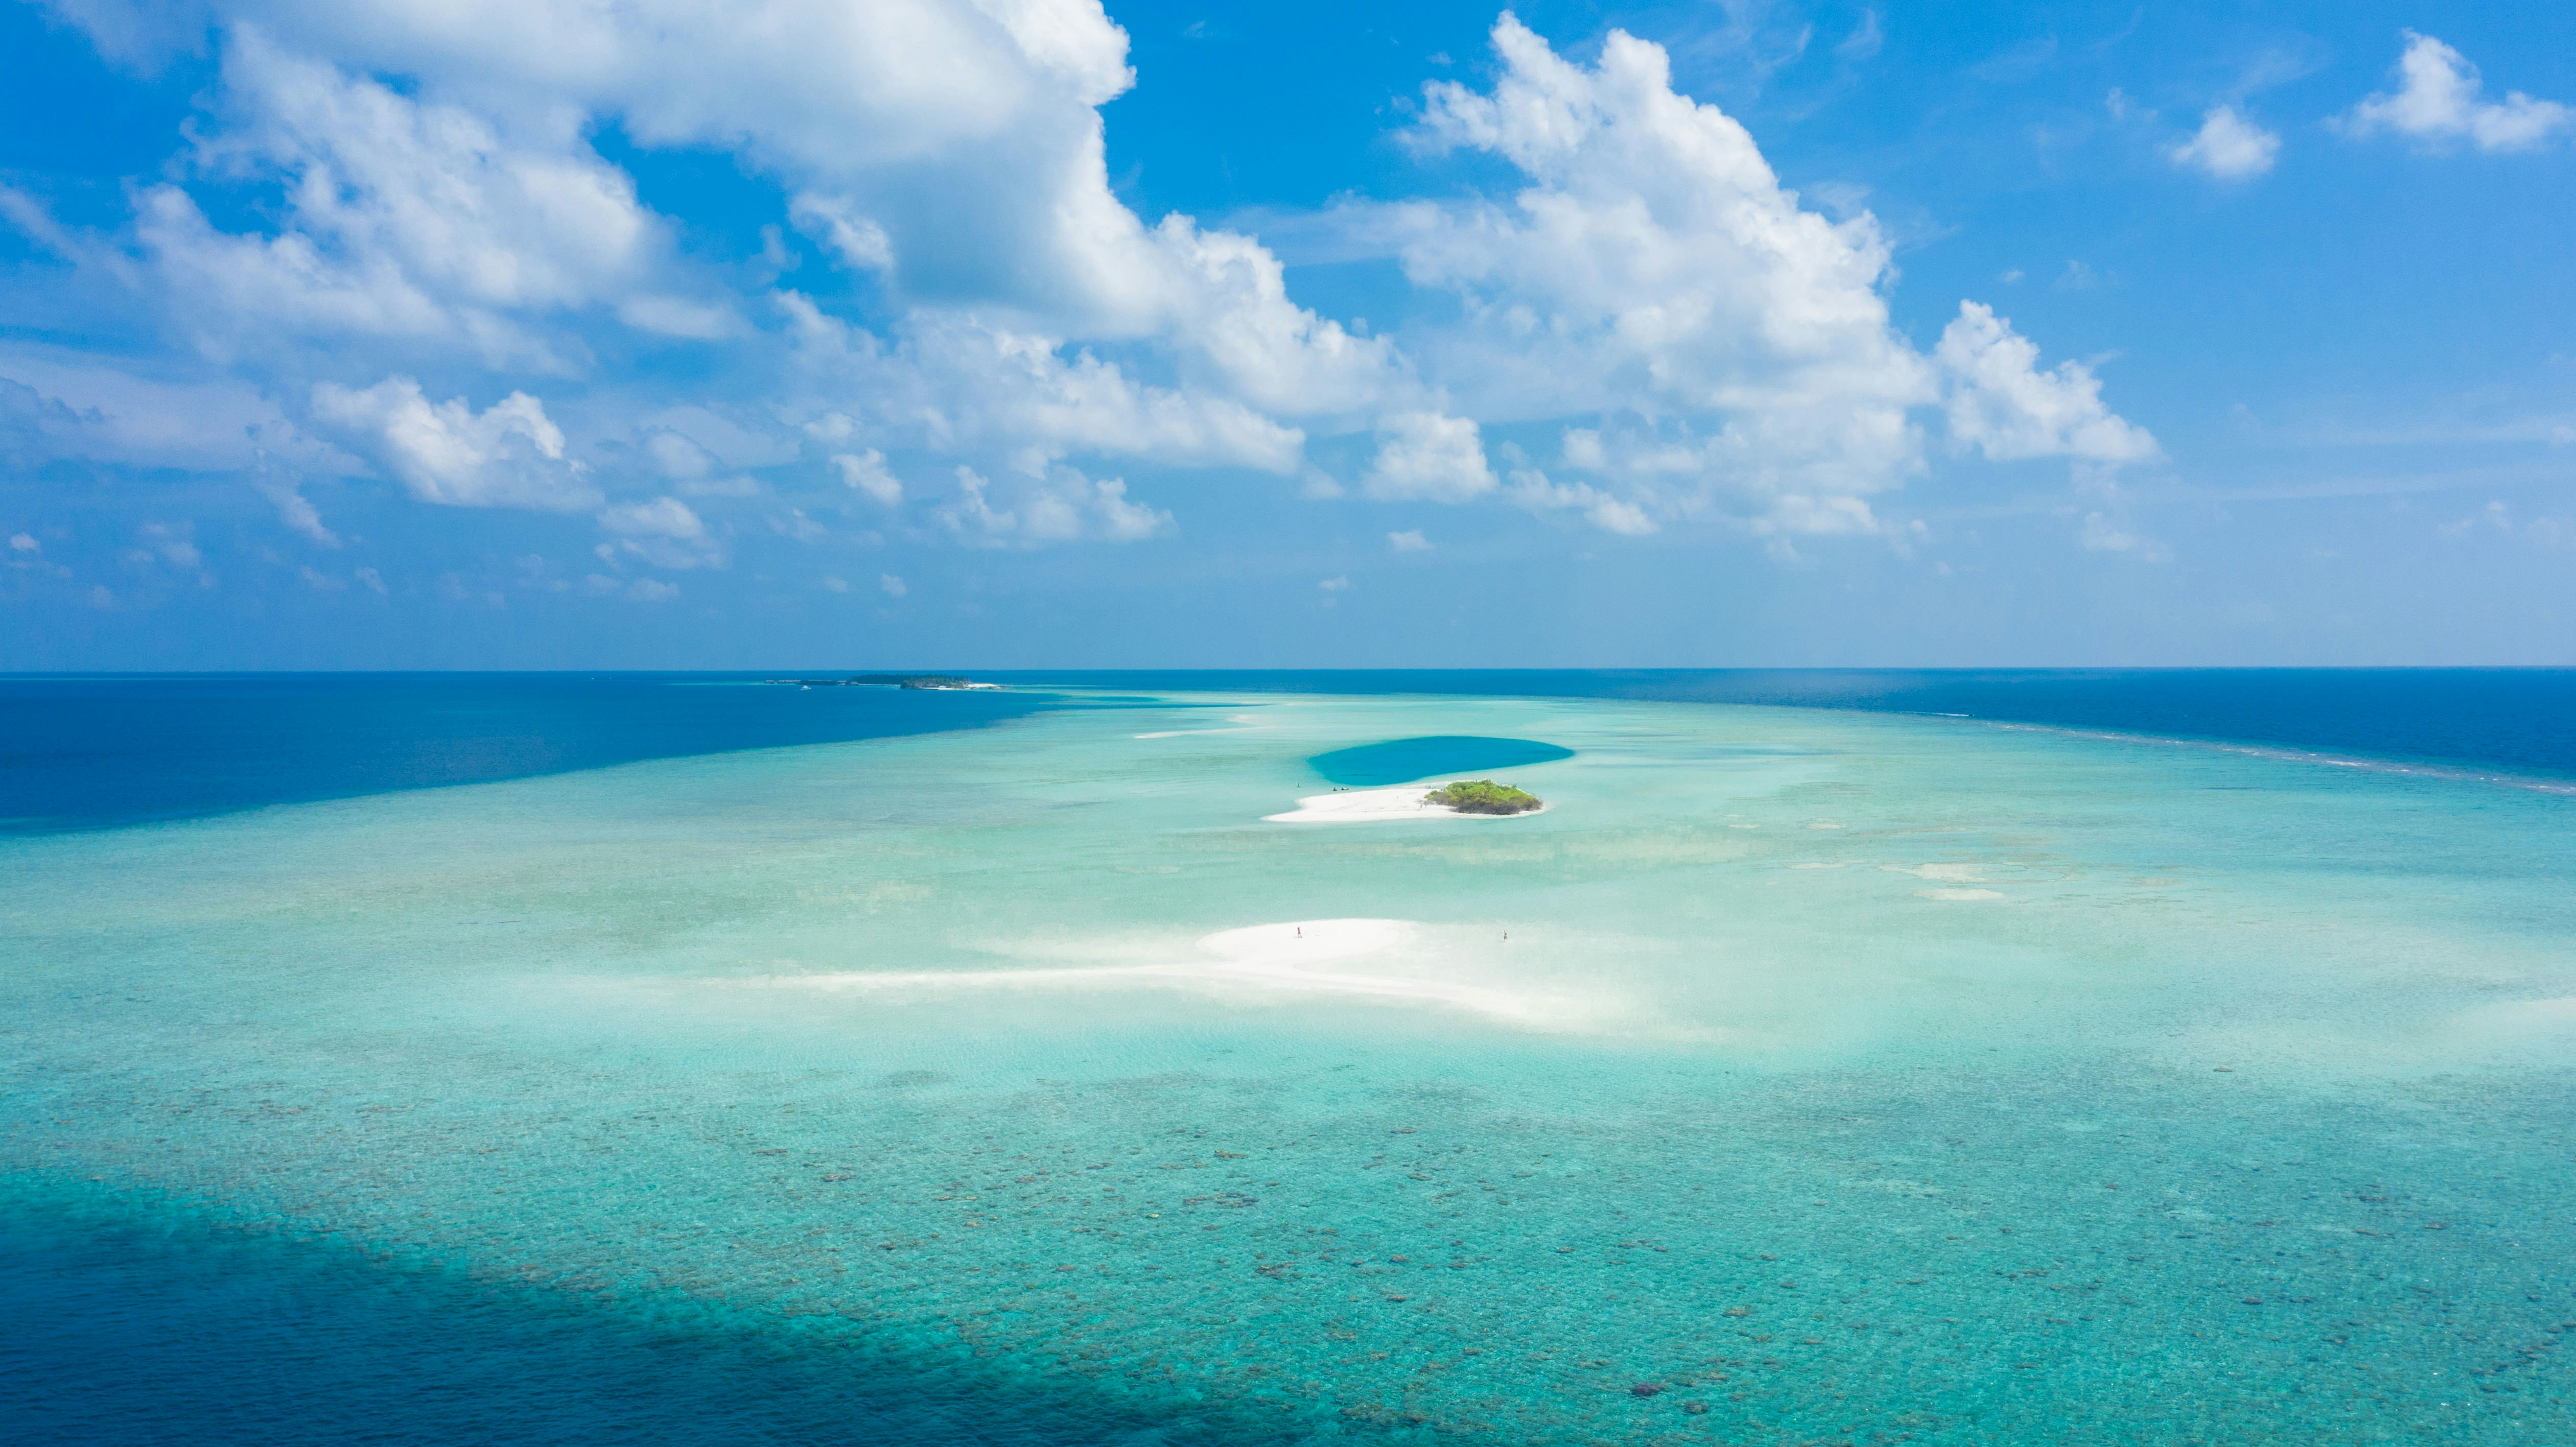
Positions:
{"x": 321, "y": 1345}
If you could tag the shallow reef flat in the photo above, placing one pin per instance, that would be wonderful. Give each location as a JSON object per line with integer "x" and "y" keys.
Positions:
{"x": 1793, "y": 1077}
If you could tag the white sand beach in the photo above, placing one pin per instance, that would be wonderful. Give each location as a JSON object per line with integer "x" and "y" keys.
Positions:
{"x": 1370, "y": 806}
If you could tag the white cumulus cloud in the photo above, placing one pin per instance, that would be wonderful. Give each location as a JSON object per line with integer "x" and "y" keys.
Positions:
{"x": 395, "y": 189}
{"x": 1732, "y": 346}
{"x": 1060, "y": 506}
{"x": 1655, "y": 266}
{"x": 1533, "y": 490}
{"x": 662, "y": 517}
{"x": 2001, "y": 404}
{"x": 403, "y": 219}
{"x": 960, "y": 384}
{"x": 2228, "y": 146}
{"x": 439, "y": 192}
{"x": 2439, "y": 99}
{"x": 867, "y": 472}
{"x": 1428, "y": 457}
{"x": 507, "y": 455}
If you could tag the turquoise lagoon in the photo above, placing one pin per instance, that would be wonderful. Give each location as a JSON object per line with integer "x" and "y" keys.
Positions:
{"x": 1796, "y": 1077}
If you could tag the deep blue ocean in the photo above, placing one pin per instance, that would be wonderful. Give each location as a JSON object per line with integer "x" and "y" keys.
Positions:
{"x": 114, "y": 1333}
{"x": 82, "y": 752}
{"x": 2519, "y": 720}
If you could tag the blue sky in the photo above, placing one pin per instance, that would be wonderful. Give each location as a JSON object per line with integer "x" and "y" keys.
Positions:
{"x": 1025, "y": 334}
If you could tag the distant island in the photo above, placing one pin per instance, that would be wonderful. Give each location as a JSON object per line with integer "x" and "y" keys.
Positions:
{"x": 1482, "y": 796}
{"x": 889, "y": 680}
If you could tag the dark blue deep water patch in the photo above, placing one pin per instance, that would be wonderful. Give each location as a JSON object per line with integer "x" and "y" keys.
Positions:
{"x": 92, "y": 752}
{"x": 2521, "y": 720}
{"x": 1401, "y": 761}
{"x": 121, "y": 1332}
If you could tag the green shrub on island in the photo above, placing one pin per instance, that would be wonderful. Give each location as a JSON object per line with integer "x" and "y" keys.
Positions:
{"x": 1482, "y": 796}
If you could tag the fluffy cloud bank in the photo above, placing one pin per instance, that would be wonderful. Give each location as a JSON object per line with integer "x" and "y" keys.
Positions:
{"x": 424, "y": 224}
{"x": 1735, "y": 346}
{"x": 976, "y": 328}
{"x": 445, "y": 209}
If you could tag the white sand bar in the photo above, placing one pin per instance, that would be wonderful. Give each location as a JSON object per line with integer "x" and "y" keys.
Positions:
{"x": 1295, "y": 957}
{"x": 1292, "y": 956}
{"x": 1370, "y": 806}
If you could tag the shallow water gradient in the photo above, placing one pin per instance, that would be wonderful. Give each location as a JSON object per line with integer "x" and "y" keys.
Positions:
{"x": 1841, "y": 1078}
